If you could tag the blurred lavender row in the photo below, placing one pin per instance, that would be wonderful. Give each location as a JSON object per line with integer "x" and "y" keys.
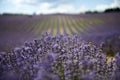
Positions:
{"x": 60, "y": 57}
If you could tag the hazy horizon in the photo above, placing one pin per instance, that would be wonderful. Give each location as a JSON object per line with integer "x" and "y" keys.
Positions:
{"x": 55, "y": 6}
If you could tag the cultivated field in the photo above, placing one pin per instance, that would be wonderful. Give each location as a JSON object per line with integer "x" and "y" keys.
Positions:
{"x": 29, "y": 53}
{"x": 15, "y": 30}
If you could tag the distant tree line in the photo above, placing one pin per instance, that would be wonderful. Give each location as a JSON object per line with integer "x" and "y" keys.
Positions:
{"x": 91, "y": 12}
{"x": 117, "y": 9}
{"x": 112, "y": 10}
{"x": 11, "y": 14}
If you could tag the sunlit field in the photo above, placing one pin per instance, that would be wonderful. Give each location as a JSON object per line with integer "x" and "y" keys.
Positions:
{"x": 96, "y": 28}
{"x": 60, "y": 47}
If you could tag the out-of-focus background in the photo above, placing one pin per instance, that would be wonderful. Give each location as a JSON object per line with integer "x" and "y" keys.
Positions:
{"x": 95, "y": 21}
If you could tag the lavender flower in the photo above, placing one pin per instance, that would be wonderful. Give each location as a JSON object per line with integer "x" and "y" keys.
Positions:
{"x": 60, "y": 57}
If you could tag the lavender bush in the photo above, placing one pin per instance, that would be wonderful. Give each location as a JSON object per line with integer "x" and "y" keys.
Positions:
{"x": 60, "y": 57}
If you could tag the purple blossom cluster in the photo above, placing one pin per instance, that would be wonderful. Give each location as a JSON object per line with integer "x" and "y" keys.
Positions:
{"x": 60, "y": 57}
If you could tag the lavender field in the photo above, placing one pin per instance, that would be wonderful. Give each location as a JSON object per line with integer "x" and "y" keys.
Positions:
{"x": 96, "y": 28}
{"x": 59, "y": 39}
{"x": 60, "y": 47}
